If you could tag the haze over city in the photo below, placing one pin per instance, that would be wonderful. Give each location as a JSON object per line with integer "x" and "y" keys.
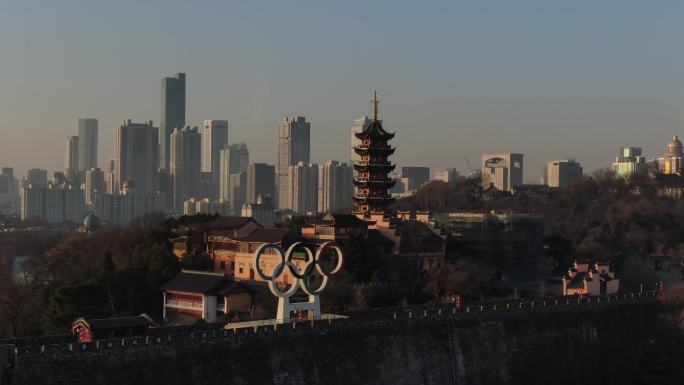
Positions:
{"x": 549, "y": 79}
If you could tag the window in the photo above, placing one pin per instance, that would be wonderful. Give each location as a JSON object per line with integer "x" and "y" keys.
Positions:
{"x": 223, "y": 265}
{"x": 240, "y": 270}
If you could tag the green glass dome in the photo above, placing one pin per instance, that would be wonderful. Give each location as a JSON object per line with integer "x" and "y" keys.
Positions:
{"x": 91, "y": 222}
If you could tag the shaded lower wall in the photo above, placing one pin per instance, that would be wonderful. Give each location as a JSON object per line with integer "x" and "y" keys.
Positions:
{"x": 620, "y": 344}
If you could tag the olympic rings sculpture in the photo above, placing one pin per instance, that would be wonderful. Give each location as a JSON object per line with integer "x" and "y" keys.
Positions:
{"x": 313, "y": 261}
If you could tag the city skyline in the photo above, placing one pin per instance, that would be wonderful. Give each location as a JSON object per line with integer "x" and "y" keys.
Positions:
{"x": 565, "y": 88}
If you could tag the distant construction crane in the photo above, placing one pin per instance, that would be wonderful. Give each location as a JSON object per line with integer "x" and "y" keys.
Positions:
{"x": 470, "y": 166}
{"x": 473, "y": 172}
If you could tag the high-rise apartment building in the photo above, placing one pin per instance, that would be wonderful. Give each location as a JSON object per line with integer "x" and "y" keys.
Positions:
{"x": 52, "y": 203}
{"x": 94, "y": 184}
{"x": 629, "y": 162}
{"x": 87, "y": 144}
{"x": 415, "y": 177}
{"x": 237, "y": 190}
{"x": 214, "y": 139}
{"x": 335, "y": 188}
{"x": 233, "y": 160}
{"x": 559, "y": 173}
{"x": 36, "y": 177}
{"x": 137, "y": 156}
{"x": 8, "y": 185}
{"x": 260, "y": 181}
{"x": 294, "y": 144}
{"x": 71, "y": 165}
{"x": 110, "y": 175}
{"x": 302, "y": 188}
{"x": 262, "y": 211}
{"x": 502, "y": 171}
{"x": 449, "y": 175}
{"x": 185, "y": 165}
{"x": 172, "y": 115}
{"x": 129, "y": 203}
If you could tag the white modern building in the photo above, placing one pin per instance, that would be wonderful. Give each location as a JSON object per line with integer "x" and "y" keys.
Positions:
{"x": 214, "y": 139}
{"x": 302, "y": 188}
{"x": 502, "y": 171}
{"x": 335, "y": 186}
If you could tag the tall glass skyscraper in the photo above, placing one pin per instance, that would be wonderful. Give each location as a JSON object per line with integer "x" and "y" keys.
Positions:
{"x": 87, "y": 144}
{"x": 172, "y": 115}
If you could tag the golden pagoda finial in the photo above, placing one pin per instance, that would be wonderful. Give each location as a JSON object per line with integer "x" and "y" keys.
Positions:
{"x": 374, "y": 105}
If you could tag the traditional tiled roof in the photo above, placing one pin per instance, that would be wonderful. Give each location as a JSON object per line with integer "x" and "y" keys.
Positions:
{"x": 142, "y": 320}
{"x": 190, "y": 281}
{"x": 344, "y": 220}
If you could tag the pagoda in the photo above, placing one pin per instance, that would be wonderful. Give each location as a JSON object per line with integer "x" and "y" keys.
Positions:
{"x": 372, "y": 179}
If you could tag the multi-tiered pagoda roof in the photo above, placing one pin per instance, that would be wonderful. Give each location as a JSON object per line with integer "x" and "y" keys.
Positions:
{"x": 372, "y": 180}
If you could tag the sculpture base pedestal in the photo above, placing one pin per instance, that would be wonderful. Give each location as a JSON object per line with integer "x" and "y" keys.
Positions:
{"x": 286, "y": 308}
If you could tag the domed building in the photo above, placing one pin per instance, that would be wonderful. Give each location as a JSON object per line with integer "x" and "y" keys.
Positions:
{"x": 90, "y": 223}
{"x": 672, "y": 160}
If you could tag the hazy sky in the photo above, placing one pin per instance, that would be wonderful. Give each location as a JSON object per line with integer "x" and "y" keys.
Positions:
{"x": 551, "y": 79}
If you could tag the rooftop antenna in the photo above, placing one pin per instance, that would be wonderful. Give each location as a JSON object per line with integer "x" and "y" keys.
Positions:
{"x": 374, "y": 105}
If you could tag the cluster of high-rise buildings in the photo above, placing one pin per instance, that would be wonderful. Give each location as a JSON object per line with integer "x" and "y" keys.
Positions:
{"x": 630, "y": 160}
{"x": 177, "y": 168}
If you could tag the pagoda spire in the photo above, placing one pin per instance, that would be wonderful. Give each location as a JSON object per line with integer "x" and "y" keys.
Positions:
{"x": 374, "y": 105}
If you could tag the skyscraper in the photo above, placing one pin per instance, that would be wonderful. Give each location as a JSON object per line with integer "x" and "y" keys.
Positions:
{"x": 238, "y": 158}
{"x": 137, "y": 156}
{"x": 559, "y": 173}
{"x": 335, "y": 189}
{"x": 502, "y": 171}
{"x": 172, "y": 115}
{"x": 87, "y": 144}
{"x": 185, "y": 165}
{"x": 233, "y": 160}
{"x": 294, "y": 134}
{"x": 260, "y": 181}
{"x": 71, "y": 164}
{"x": 302, "y": 188}
{"x": 214, "y": 139}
